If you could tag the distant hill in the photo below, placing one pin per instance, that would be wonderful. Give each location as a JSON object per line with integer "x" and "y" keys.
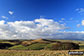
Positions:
{"x": 49, "y": 44}
{"x": 38, "y": 41}
{"x": 39, "y": 44}
{"x": 44, "y": 41}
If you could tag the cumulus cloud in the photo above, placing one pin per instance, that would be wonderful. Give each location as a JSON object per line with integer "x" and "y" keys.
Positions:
{"x": 4, "y": 17}
{"x": 10, "y": 12}
{"x": 39, "y": 28}
{"x": 2, "y": 22}
{"x": 82, "y": 22}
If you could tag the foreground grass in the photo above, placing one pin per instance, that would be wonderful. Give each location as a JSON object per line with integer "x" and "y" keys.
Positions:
{"x": 34, "y": 53}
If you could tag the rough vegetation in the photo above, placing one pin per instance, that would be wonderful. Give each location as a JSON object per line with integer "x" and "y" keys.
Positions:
{"x": 36, "y": 53}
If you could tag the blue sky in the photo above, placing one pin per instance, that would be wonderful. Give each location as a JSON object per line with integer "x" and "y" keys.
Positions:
{"x": 50, "y": 9}
{"x": 67, "y": 12}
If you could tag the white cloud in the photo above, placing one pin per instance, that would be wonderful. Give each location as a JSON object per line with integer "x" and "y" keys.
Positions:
{"x": 50, "y": 23}
{"x": 80, "y": 10}
{"x": 4, "y": 17}
{"x": 10, "y": 12}
{"x": 39, "y": 28}
{"x": 2, "y": 22}
{"x": 82, "y": 22}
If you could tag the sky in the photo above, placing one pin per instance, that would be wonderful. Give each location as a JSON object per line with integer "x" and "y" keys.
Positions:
{"x": 32, "y": 19}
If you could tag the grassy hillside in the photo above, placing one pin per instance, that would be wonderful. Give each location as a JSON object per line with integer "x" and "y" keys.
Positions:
{"x": 39, "y": 44}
